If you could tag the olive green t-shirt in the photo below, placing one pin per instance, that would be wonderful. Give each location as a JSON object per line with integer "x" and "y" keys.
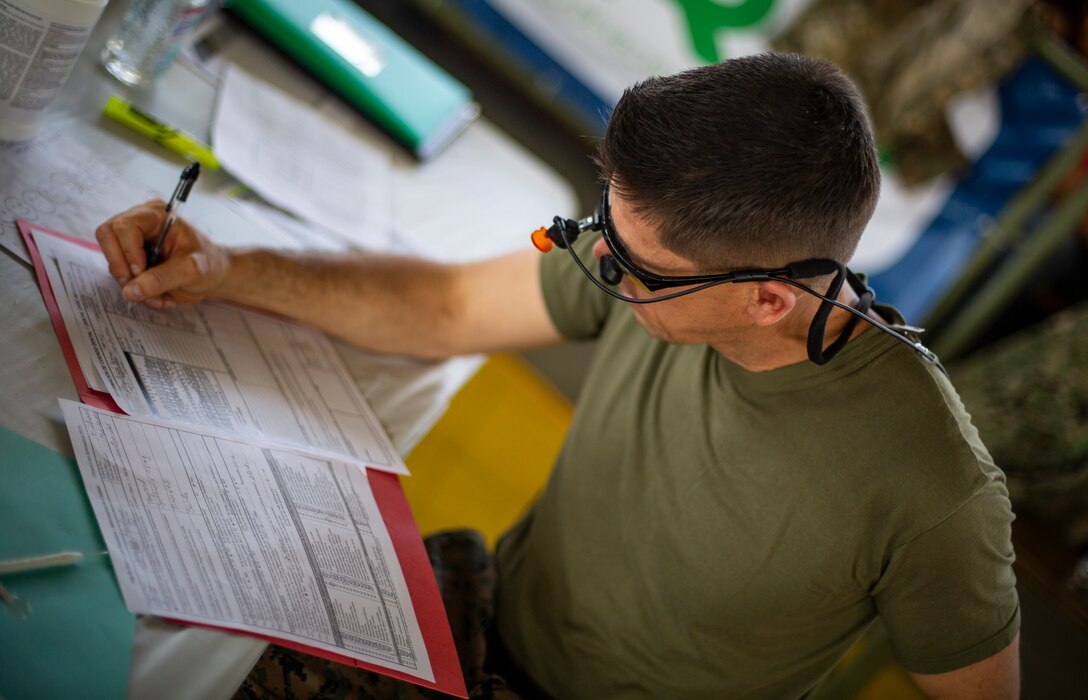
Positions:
{"x": 713, "y": 532}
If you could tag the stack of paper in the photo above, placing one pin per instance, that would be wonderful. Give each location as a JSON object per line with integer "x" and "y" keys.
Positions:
{"x": 239, "y": 492}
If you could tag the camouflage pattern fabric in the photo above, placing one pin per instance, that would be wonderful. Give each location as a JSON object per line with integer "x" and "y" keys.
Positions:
{"x": 465, "y": 572}
{"x": 1028, "y": 397}
{"x": 909, "y": 57}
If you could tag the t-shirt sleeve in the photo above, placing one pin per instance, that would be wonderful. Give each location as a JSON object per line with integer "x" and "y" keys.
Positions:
{"x": 577, "y": 308}
{"x": 948, "y": 597}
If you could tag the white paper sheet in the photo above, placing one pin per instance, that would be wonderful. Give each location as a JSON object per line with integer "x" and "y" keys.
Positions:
{"x": 215, "y": 366}
{"x": 55, "y": 181}
{"x": 210, "y": 528}
{"x": 303, "y": 161}
{"x": 308, "y": 235}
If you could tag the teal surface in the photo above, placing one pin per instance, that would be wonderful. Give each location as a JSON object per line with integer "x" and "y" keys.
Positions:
{"x": 76, "y": 641}
{"x": 415, "y": 100}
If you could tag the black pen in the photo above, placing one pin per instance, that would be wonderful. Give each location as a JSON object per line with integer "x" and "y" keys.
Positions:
{"x": 173, "y": 208}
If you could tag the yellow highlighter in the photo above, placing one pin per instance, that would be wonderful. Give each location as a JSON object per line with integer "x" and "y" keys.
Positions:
{"x": 174, "y": 139}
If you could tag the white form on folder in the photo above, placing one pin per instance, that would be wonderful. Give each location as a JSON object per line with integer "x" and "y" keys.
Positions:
{"x": 214, "y": 366}
{"x": 215, "y": 529}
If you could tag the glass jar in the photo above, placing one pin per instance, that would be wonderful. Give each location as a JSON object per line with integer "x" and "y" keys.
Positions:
{"x": 149, "y": 37}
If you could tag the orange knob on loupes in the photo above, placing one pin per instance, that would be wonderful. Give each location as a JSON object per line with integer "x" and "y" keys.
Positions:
{"x": 541, "y": 240}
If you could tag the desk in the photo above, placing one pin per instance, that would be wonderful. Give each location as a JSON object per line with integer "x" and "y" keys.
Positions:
{"x": 480, "y": 197}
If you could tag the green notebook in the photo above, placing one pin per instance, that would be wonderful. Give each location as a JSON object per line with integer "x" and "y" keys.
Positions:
{"x": 369, "y": 66}
{"x": 74, "y": 639}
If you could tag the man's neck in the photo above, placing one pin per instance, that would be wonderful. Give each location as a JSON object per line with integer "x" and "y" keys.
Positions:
{"x": 761, "y": 349}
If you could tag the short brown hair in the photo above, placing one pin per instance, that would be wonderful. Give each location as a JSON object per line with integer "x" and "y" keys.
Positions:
{"x": 752, "y": 162}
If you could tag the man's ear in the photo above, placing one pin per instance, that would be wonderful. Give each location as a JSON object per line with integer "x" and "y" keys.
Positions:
{"x": 770, "y": 302}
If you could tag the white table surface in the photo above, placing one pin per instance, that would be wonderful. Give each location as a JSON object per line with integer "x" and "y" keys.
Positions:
{"x": 481, "y": 196}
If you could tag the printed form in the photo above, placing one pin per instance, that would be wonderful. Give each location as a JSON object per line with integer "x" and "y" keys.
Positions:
{"x": 213, "y": 366}
{"x": 214, "y": 529}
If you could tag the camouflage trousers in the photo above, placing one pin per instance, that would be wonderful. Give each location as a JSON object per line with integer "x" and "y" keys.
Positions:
{"x": 909, "y": 57}
{"x": 1028, "y": 396}
{"x": 465, "y": 572}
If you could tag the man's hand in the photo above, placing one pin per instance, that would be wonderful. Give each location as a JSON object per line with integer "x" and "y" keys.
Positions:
{"x": 192, "y": 267}
{"x": 386, "y": 303}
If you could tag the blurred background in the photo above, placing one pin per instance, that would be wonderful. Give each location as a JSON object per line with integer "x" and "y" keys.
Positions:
{"x": 980, "y": 237}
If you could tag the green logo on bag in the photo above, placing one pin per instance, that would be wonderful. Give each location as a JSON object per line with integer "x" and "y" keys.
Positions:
{"x": 706, "y": 17}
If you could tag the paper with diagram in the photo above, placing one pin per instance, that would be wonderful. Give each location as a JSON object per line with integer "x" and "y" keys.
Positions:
{"x": 56, "y": 181}
{"x": 211, "y": 528}
{"x": 213, "y": 366}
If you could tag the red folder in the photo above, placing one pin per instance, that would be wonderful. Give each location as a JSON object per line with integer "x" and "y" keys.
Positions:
{"x": 418, "y": 575}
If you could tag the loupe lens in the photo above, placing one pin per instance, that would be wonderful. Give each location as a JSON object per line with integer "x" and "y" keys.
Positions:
{"x": 607, "y": 270}
{"x": 610, "y": 270}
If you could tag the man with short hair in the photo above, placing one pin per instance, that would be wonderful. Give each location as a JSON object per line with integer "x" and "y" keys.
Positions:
{"x": 753, "y": 474}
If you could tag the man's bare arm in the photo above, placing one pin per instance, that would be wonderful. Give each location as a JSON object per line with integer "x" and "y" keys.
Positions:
{"x": 995, "y": 678}
{"x": 381, "y": 302}
{"x": 399, "y": 304}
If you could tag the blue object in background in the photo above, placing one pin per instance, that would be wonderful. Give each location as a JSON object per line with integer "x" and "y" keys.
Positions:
{"x": 531, "y": 61}
{"x": 1040, "y": 112}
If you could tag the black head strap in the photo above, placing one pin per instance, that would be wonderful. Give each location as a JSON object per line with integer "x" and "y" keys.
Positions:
{"x": 818, "y": 330}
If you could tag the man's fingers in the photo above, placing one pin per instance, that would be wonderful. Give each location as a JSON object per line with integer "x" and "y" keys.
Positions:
{"x": 188, "y": 272}
{"x": 130, "y": 238}
{"x": 163, "y": 303}
{"x": 122, "y": 239}
{"x": 183, "y": 273}
{"x": 119, "y": 265}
